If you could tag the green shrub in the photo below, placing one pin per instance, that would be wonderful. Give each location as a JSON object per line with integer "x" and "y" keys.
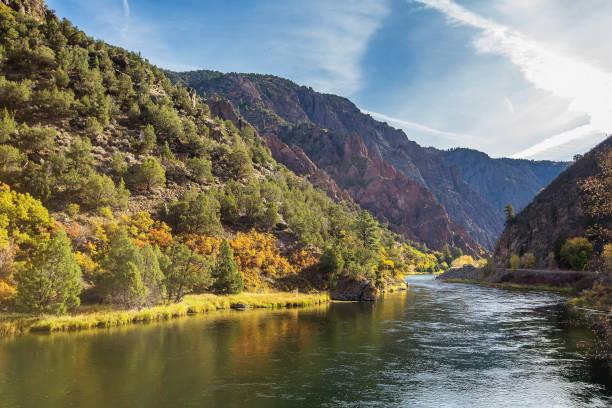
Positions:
{"x": 528, "y": 260}
{"x": 514, "y": 262}
{"x": 576, "y": 253}
{"x": 50, "y": 282}
{"x": 200, "y": 169}
{"x": 148, "y": 175}
{"x": 228, "y": 278}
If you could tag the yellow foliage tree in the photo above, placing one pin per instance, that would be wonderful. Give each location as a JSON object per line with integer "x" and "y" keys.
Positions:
{"x": 24, "y": 226}
{"x": 258, "y": 257}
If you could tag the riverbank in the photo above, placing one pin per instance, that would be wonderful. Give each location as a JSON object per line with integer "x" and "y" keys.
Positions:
{"x": 565, "y": 281}
{"x": 547, "y": 288}
{"x": 89, "y": 317}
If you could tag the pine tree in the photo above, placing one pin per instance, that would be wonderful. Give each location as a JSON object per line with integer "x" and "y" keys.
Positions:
{"x": 121, "y": 279}
{"x": 51, "y": 282}
{"x": 228, "y": 278}
{"x": 366, "y": 228}
{"x": 509, "y": 211}
{"x": 152, "y": 275}
{"x": 185, "y": 271}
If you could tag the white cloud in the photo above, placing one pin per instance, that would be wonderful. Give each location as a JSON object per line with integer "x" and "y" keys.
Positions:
{"x": 586, "y": 86}
{"x": 413, "y": 126}
{"x": 126, "y": 9}
{"x": 325, "y": 49}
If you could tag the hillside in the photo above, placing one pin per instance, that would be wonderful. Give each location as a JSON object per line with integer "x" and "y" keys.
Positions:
{"x": 564, "y": 210}
{"x": 275, "y": 105}
{"x": 503, "y": 181}
{"x": 143, "y": 194}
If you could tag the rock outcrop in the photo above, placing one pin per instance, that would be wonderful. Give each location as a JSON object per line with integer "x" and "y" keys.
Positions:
{"x": 350, "y": 289}
{"x": 556, "y": 213}
{"x": 36, "y": 9}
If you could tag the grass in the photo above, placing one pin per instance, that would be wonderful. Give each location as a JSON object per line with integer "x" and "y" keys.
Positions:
{"x": 515, "y": 286}
{"x": 89, "y": 317}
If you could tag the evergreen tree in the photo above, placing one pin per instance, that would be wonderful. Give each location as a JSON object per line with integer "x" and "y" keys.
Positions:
{"x": 228, "y": 278}
{"x": 149, "y": 139}
{"x": 152, "y": 275}
{"x": 51, "y": 282}
{"x": 185, "y": 271}
{"x": 510, "y": 216}
{"x": 149, "y": 174}
{"x": 331, "y": 262}
{"x": 229, "y": 208}
{"x": 121, "y": 278}
{"x": 366, "y": 229}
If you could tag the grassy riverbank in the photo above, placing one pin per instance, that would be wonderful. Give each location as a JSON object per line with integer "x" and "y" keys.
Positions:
{"x": 548, "y": 288}
{"x": 88, "y": 317}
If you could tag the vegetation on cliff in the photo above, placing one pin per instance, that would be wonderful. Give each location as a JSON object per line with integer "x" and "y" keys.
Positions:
{"x": 122, "y": 188}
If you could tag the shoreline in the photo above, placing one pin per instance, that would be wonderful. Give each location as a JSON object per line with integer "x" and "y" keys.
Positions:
{"x": 12, "y": 324}
{"x": 568, "y": 290}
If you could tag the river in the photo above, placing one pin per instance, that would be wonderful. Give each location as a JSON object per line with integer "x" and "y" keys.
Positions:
{"x": 437, "y": 344}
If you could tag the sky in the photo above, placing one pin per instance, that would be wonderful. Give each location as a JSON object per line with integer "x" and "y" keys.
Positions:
{"x": 513, "y": 78}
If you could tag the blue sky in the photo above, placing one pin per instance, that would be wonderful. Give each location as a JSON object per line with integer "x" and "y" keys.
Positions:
{"x": 521, "y": 78}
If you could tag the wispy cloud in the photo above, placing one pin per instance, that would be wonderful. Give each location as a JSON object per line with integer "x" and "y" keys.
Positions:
{"x": 587, "y": 86}
{"x": 325, "y": 49}
{"x": 126, "y": 8}
{"x": 413, "y": 126}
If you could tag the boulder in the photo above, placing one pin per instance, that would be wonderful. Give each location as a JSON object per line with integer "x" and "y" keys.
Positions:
{"x": 351, "y": 289}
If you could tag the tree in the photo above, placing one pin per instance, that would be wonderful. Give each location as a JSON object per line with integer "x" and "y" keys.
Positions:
{"x": 228, "y": 278}
{"x": 510, "y": 216}
{"x": 576, "y": 253}
{"x": 195, "y": 213}
{"x": 456, "y": 252}
{"x": 152, "y": 275}
{"x": 50, "y": 282}
{"x": 528, "y": 260}
{"x": 186, "y": 271}
{"x": 366, "y": 229}
{"x": 99, "y": 191}
{"x": 269, "y": 218}
{"x": 121, "y": 278}
{"x": 331, "y": 262}
{"x": 514, "y": 262}
{"x": 229, "y": 208}
{"x": 8, "y": 126}
{"x": 148, "y": 139}
{"x": 149, "y": 174}
{"x": 200, "y": 169}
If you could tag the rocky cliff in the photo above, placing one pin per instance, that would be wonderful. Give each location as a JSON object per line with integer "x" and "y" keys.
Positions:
{"x": 555, "y": 214}
{"x": 503, "y": 181}
{"x": 275, "y": 105}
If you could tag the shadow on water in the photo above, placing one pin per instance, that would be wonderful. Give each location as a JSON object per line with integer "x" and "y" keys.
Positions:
{"x": 433, "y": 345}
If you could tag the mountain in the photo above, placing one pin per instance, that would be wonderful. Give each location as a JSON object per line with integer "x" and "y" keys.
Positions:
{"x": 139, "y": 188}
{"x": 503, "y": 181}
{"x": 347, "y": 145}
{"x": 564, "y": 210}
{"x": 278, "y": 106}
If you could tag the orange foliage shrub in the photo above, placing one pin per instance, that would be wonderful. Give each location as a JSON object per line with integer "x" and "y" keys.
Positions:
{"x": 204, "y": 245}
{"x": 143, "y": 230}
{"x": 258, "y": 257}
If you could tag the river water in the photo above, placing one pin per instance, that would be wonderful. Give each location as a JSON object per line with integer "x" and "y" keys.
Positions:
{"x": 437, "y": 344}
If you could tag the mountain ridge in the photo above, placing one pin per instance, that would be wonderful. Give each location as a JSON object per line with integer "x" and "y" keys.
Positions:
{"x": 276, "y": 104}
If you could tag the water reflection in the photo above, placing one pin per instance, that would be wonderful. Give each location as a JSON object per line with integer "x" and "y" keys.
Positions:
{"x": 434, "y": 345}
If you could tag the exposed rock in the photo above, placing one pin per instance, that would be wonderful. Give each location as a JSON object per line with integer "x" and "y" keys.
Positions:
{"x": 239, "y": 306}
{"x": 275, "y": 105}
{"x": 36, "y": 9}
{"x": 555, "y": 213}
{"x": 350, "y": 289}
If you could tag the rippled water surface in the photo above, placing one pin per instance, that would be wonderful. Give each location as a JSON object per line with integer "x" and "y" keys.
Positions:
{"x": 435, "y": 345}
